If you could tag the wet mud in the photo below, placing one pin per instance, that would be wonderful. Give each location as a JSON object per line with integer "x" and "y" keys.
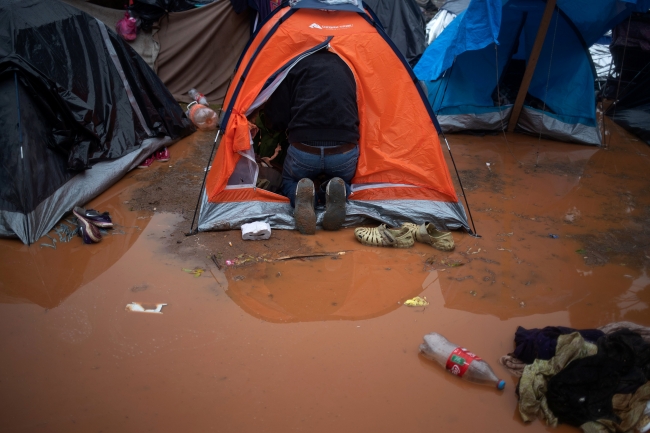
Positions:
{"x": 290, "y": 334}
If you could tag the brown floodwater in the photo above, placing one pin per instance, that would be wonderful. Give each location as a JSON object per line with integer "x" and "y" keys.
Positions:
{"x": 323, "y": 345}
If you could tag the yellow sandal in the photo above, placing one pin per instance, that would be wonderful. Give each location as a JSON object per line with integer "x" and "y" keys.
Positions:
{"x": 384, "y": 237}
{"x": 428, "y": 234}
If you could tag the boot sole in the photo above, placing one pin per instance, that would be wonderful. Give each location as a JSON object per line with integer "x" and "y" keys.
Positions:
{"x": 334, "y": 216}
{"x": 304, "y": 211}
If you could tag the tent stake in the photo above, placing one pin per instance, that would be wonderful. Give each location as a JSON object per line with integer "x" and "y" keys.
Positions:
{"x": 532, "y": 63}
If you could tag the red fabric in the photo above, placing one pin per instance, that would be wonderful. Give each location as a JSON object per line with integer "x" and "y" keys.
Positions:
{"x": 127, "y": 28}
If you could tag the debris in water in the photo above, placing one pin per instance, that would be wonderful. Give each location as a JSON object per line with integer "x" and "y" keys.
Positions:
{"x": 472, "y": 292}
{"x": 452, "y": 263}
{"x": 522, "y": 304}
{"x": 416, "y": 302}
{"x": 581, "y": 251}
{"x": 139, "y": 308}
{"x": 552, "y": 236}
{"x": 140, "y": 288}
{"x": 196, "y": 272}
{"x": 238, "y": 277}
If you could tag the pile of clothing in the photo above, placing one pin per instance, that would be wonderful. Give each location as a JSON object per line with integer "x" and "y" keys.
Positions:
{"x": 595, "y": 379}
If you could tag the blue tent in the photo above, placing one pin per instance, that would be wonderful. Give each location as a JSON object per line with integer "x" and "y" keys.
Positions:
{"x": 474, "y": 68}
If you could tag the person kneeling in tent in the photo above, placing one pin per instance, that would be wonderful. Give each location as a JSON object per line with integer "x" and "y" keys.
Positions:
{"x": 316, "y": 104}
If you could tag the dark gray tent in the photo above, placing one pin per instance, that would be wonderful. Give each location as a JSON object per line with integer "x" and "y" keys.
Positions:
{"x": 631, "y": 52}
{"x": 78, "y": 109}
{"x": 404, "y": 23}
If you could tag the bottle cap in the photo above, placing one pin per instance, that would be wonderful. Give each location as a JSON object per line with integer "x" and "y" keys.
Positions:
{"x": 501, "y": 384}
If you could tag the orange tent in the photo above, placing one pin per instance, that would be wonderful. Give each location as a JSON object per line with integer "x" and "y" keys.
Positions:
{"x": 401, "y": 174}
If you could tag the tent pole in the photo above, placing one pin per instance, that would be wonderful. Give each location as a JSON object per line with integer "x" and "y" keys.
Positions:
{"x": 532, "y": 63}
{"x": 205, "y": 176}
{"x": 469, "y": 212}
{"x": 22, "y": 157}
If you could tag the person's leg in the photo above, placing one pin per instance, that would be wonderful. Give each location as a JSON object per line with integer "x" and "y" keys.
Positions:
{"x": 299, "y": 168}
{"x": 343, "y": 167}
{"x": 298, "y": 165}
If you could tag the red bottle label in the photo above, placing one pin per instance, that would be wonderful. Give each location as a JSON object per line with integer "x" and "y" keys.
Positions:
{"x": 459, "y": 361}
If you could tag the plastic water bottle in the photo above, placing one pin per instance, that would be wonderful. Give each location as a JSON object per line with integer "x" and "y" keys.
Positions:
{"x": 198, "y": 97}
{"x": 203, "y": 117}
{"x": 459, "y": 361}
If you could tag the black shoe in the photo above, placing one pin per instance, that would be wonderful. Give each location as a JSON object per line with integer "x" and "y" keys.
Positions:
{"x": 304, "y": 211}
{"x": 335, "y": 204}
{"x": 88, "y": 231}
{"x": 102, "y": 220}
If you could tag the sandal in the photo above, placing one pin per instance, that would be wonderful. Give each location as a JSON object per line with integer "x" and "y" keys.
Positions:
{"x": 384, "y": 237}
{"x": 428, "y": 234}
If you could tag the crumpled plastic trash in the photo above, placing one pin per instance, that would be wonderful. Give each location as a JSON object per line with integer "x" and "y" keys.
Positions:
{"x": 416, "y": 302}
{"x": 127, "y": 27}
{"x": 138, "y": 308}
{"x": 196, "y": 271}
{"x": 255, "y": 231}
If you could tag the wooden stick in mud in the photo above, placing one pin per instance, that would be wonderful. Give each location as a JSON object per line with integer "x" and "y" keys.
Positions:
{"x": 305, "y": 256}
{"x": 214, "y": 259}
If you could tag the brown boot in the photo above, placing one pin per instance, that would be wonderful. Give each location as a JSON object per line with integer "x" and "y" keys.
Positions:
{"x": 304, "y": 211}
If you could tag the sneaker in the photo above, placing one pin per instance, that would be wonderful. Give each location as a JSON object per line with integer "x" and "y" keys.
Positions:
{"x": 147, "y": 162}
{"x": 162, "y": 155}
{"x": 102, "y": 220}
{"x": 428, "y": 234}
{"x": 304, "y": 211}
{"x": 88, "y": 231}
{"x": 334, "y": 216}
{"x": 384, "y": 237}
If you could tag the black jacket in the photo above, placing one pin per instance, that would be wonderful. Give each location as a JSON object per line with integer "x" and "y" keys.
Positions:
{"x": 317, "y": 101}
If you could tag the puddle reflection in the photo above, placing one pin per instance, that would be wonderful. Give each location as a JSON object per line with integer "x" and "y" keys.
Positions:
{"x": 46, "y": 277}
{"x": 359, "y": 285}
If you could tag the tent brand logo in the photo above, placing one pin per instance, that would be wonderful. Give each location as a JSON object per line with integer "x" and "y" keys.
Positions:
{"x": 318, "y": 26}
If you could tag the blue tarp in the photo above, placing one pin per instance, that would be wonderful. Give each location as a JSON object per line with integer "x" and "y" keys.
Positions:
{"x": 476, "y": 27}
{"x": 461, "y": 71}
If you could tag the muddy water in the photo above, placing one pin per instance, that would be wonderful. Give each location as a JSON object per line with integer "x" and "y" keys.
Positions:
{"x": 325, "y": 344}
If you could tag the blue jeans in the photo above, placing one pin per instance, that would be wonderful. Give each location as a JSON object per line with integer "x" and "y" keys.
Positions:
{"x": 299, "y": 165}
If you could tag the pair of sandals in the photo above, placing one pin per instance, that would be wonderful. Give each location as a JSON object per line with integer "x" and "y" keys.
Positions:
{"x": 405, "y": 236}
